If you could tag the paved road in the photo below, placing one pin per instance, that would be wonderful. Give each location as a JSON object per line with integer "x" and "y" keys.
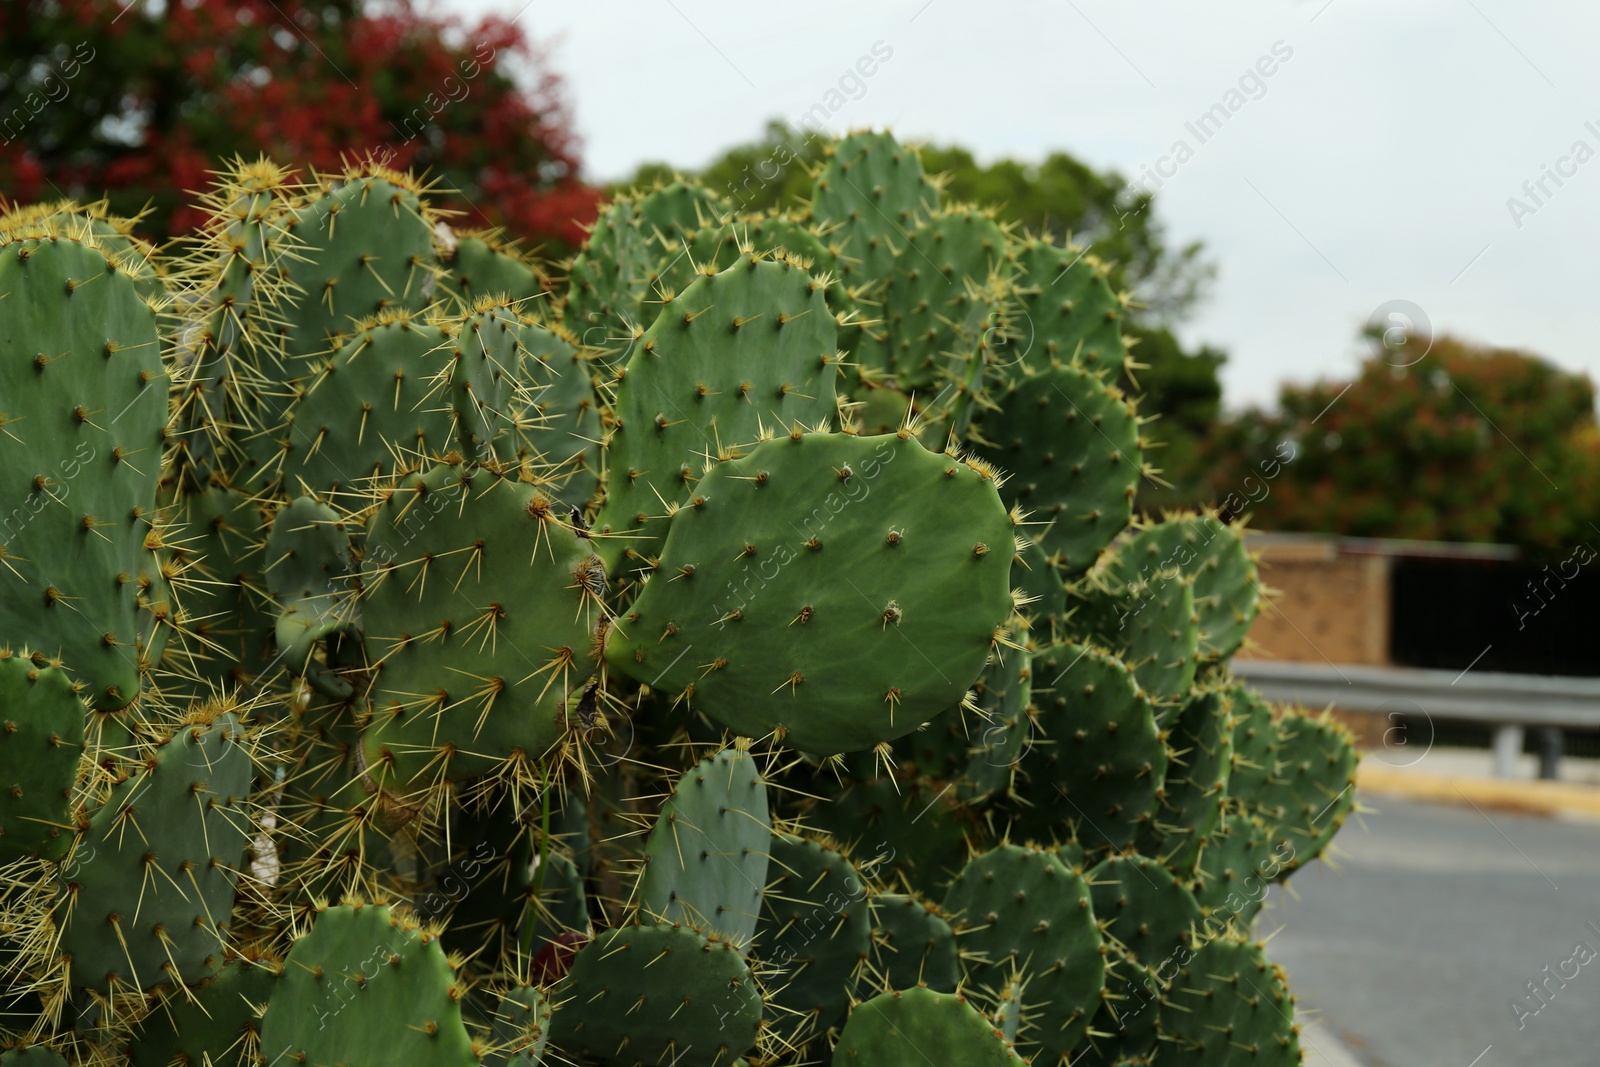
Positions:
{"x": 1413, "y": 951}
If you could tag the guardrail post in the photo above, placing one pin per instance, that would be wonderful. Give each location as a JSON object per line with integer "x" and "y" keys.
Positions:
{"x": 1549, "y": 740}
{"x": 1507, "y": 747}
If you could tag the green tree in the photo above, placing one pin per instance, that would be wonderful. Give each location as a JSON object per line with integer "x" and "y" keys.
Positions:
{"x": 137, "y": 100}
{"x": 1471, "y": 443}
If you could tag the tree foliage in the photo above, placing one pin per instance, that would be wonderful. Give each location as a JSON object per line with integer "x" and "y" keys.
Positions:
{"x": 1471, "y": 443}
{"x": 138, "y": 99}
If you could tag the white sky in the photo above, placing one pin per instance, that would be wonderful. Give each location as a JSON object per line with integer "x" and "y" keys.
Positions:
{"x": 1376, "y": 165}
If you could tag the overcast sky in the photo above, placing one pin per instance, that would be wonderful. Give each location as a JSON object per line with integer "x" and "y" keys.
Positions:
{"x": 1374, "y": 163}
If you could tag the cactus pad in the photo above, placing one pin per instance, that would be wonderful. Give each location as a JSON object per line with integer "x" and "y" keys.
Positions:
{"x": 639, "y": 995}
{"x": 366, "y": 987}
{"x": 854, "y": 587}
{"x": 915, "y": 1027}
{"x": 41, "y": 745}
{"x": 708, "y": 851}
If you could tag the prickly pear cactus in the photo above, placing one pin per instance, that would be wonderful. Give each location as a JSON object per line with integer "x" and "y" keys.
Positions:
{"x": 738, "y": 653}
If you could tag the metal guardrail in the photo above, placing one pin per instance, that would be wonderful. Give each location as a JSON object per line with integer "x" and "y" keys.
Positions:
{"x": 1509, "y": 702}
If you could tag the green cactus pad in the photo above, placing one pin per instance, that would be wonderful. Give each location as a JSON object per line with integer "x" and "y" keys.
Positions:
{"x": 32, "y": 1056}
{"x": 1239, "y": 859}
{"x": 1150, "y": 624}
{"x": 1149, "y": 919}
{"x": 616, "y": 280}
{"x": 1033, "y": 573}
{"x": 912, "y": 944}
{"x": 477, "y": 599}
{"x": 1005, "y": 696}
{"x": 481, "y": 264}
{"x": 750, "y": 348}
{"x": 1201, "y": 750}
{"x": 175, "y": 829}
{"x": 912, "y": 830}
{"x": 217, "y": 1022}
{"x": 869, "y": 195}
{"x": 366, "y": 987}
{"x": 1255, "y": 742}
{"x": 915, "y": 1027}
{"x": 84, "y": 409}
{"x": 832, "y": 590}
{"x": 1231, "y": 1004}
{"x": 937, "y": 306}
{"x": 368, "y": 411}
{"x": 1071, "y": 445}
{"x": 1096, "y": 760}
{"x": 645, "y": 995}
{"x": 708, "y": 852}
{"x": 521, "y": 1029}
{"x": 1020, "y": 911}
{"x": 481, "y": 381}
{"x": 815, "y": 933}
{"x": 218, "y": 541}
{"x": 1312, "y": 787}
{"x": 1068, "y": 310}
{"x": 363, "y": 247}
{"x": 309, "y": 568}
{"x": 41, "y": 745}
{"x": 1227, "y": 589}
{"x": 563, "y": 419}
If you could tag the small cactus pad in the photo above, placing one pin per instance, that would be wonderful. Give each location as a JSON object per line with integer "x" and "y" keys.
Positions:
{"x": 1312, "y": 787}
{"x": 175, "y": 828}
{"x": 309, "y": 569}
{"x": 815, "y": 933}
{"x": 912, "y": 944}
{"x": 1230, "y": 1004}
{"x": 367, "y": 414}
{"x": 1150, "y": 624}
{"x": 751, "y": 347}
{"x": 646, "y": 995}
{"x": 366, "y": 987}
{"x": 1071, "y": 445}
{"x": 912, "y": 829}
{"x": 218, "y": 539}
{"x": 1005, "y": 694}
{"x": 41, "y": 745}
{"x": 1239, "y": 860}
{"x": 916, "y": 1027}
{"x": 1227, "y": 590}
{"x": 480, "y": 606}
{"x": 833, "y": 590}
{"x": 83, "y": 411}
{"x": 937, "y": 306}
{"x": 869, "y": 195}
{"x": 521, "y": 1025}
{"x": 708, "y": 851}
{"x": 1069, "y": 310}
{"x": 32, "y": 1056}
{"x": 481, "y": 264}
{"x": 1200, "y": 744}
{"x": 1096, "y": 761}
{"x": 563, "y": 417}
{"x": 1020, "y": 911}
{"x": 1148, "y": 919}
{"x": 217, "y": 1022}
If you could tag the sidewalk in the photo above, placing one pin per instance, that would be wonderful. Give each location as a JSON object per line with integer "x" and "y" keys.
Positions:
{"x": 1464, "y": 776}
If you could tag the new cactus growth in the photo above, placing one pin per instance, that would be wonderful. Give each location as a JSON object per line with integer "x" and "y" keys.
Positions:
{"x": 738, "y": 654}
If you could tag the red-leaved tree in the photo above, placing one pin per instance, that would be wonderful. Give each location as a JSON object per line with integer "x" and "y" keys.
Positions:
{"x": 137, "y": 100}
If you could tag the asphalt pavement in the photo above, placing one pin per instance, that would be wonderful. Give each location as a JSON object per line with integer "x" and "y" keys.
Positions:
{"x": 1416, "y": 946}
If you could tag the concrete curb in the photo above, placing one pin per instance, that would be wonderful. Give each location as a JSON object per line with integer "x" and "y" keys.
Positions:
{"x": 1529, "y": 797}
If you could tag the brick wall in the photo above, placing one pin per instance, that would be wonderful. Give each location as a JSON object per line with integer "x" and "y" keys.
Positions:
{"x": 1331, "y": 605}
